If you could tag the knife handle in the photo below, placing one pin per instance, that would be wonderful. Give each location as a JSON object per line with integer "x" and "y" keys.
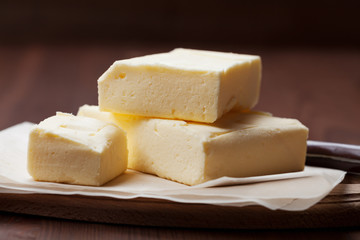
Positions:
{"x": 334, "y": 155}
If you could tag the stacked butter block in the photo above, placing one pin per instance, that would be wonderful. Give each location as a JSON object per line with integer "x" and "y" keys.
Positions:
{"x": 182, "y": 84}
{"x": 175, "y": 108}
{"x": 187, "y": 117}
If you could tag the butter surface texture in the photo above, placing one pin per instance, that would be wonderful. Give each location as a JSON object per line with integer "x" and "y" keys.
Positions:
{"x": 184, "y": 84}
{"x": 237, "y": 145}
{"x": 76, "y": 150}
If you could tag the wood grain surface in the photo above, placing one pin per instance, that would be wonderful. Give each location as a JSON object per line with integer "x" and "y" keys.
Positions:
{"x": 320, "y": 87}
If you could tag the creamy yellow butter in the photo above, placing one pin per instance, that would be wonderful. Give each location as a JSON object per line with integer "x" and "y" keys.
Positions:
{"x": 76, "y": 150}
{"x": 237, "y": 145}
{"x": 184, "y": 84}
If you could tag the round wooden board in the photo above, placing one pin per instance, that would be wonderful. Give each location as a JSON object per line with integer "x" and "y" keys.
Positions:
{"x": 341, "y": 208}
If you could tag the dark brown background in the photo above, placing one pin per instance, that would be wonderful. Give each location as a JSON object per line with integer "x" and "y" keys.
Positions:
{"x": 51, "y": 54}
{"x": 266, "y": 23}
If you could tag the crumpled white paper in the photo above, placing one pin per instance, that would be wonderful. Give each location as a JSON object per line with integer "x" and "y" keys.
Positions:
{"x": 289, "y": 191}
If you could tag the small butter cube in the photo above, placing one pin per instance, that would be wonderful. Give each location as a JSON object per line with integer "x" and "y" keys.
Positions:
{"x": 183, "y": 84}
{"x": 237, "y": 145}
{"x": 76, "y": 150}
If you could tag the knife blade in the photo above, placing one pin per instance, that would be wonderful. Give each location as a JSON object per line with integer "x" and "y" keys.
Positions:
{"x": 333, "y": 155}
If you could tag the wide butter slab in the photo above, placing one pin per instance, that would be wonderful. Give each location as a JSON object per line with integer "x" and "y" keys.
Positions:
{"x": 237, "y": 145}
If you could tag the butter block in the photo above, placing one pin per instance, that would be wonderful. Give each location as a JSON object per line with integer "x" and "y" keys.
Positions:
{"x": 237, "y": 145}
{"x": 186, "y": 84}
{"x": 76, "y": 150}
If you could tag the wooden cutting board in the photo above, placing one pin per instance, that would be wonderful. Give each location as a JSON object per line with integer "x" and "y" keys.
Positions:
{"x": 341, "y": 208}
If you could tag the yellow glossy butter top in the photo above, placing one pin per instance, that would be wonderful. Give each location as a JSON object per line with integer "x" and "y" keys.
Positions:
{"x": 191, "y": 60}
{"x": 91, "y": 133}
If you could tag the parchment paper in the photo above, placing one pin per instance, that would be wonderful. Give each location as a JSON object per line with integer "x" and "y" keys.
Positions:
{"x": 290, "y": 191}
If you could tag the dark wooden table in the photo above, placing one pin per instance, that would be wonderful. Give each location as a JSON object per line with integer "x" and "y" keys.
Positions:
{"x": 320, "y": 87}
